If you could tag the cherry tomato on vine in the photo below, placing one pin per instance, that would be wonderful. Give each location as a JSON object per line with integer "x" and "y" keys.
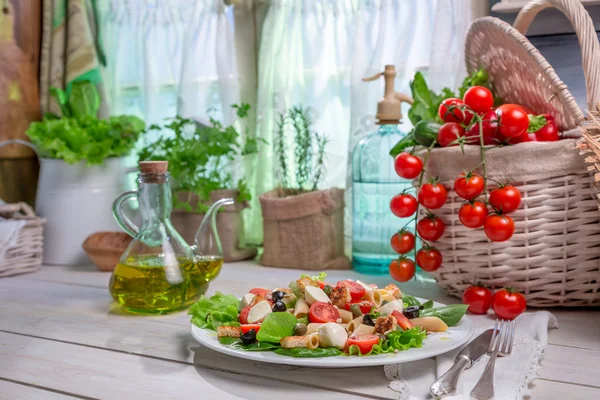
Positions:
{"x": 403, "y": 242}
{"x": 431, "y": 228}
{"x": 456, "y": 115}
{"x": 473, "y": 215}
{"x": 478, "y": 298}
{"x": 513, "y": 120}
{"x": 402, "y": 270}
{"x": 479, "y": 98}
{"x": 408, "y": 166}
{"x": 499, "y": 228}
{"x": 403, "y": 205}
{"x": 505, "y": 199}
{"x": 508, "y": 304}
{"x": 429, "y": 259}
{"x": 469, "y": 185}
{"x": 449, "y": 133}
{"x": 432, "y": 195}
{"x": 489, "y": 126}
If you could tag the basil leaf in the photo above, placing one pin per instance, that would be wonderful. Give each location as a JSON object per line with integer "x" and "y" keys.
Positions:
{"x": 451, "y": 314}
{"x": 303, "y": 352}
{"x": 409, "y": 300}
{"x": 427, "y": 304}
{"x": 276, "y": 326}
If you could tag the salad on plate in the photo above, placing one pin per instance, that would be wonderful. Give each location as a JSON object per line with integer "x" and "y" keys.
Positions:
{"x": 313, "y": 318}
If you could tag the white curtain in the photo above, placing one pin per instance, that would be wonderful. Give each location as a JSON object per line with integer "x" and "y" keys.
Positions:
{"x": 168, "y": 57}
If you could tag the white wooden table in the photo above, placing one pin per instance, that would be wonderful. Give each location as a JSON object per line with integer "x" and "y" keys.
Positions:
{"x": 61, "y": 337}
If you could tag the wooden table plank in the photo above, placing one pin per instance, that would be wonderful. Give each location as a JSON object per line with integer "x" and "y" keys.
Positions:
{"x": 548, "y": 390}
{"x": 17, "y": 391}
{"x": 95, "y": 373}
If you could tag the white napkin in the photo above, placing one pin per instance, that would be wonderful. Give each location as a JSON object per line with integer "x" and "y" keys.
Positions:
{"x": 512, "y": 374}
{"x": 9, "y": 232}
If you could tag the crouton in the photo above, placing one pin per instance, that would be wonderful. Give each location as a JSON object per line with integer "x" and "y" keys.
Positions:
{"x": 291, "y": 342}
{"x": 339, "y": 296}
{"x": 229, "y": 331}
{"x": 303, "y": 282}
{"x": 385, "y": 324}
{"x": 394, "y": 290}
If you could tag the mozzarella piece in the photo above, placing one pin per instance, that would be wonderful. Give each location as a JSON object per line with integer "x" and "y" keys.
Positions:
{"x": 259, "y": 312}
{"x": 390, "y": 307}
{"x": 314, "y": 295}
{"x": 332, "y": 335}
{"x": 246, "y": 300}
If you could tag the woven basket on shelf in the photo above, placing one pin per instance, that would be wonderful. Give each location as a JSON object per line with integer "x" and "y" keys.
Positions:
{"x": 554, "y": 255}
{"x": 26, "y": 253}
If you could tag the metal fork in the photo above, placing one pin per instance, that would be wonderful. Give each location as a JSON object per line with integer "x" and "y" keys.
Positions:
{"x": 501, "y": 344}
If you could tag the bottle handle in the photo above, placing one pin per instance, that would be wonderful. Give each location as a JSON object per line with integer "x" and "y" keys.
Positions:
{"x": 122, "y": 219}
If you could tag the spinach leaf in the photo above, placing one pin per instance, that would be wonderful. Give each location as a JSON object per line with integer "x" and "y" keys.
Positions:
{"x": 276, "y": 326}
{"x": 451, "y": 314}
{"x": 212, "y": 312}
{"x": 409, "y": 300}
{"x": 302, "y": 352}
{"x": 427, "y": 304}
{"x": 236, "y": 343}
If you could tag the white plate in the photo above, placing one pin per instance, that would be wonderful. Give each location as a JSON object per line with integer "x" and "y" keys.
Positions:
{"x": 435, "y": 344}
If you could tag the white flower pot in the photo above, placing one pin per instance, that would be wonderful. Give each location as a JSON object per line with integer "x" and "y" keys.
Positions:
{"x": 76, "y": 200}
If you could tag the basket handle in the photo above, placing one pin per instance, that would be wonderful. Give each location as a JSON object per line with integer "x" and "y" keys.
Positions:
{"x": 586, "y": 33}
{"x": 21, "y": 207}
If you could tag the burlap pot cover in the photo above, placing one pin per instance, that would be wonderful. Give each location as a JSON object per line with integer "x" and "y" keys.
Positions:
{"x": 304, "y": 231}
{"x": 230, "y": 224}
{"x": 554, "y": 255}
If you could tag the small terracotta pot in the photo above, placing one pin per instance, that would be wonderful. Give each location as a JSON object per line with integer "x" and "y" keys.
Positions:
{"x": 105, "y": 248}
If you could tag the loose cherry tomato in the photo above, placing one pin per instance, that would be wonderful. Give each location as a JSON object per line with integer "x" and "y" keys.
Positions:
{"x": 357, "y": 291}
{"x": 249, "y": 327}
{"x": 478, "y": 298}
{"x": 402, "y": 242}
{"x": 429, "y": 259}
{"x": 456, "y": 115}
{"x": 473, "y": 215}
{"x": 449, "y": 133}
{"x": 364, "y": 342}
{"x": 321, "y": 313}
{"x": 260, "y": 292}
{"x": 505, "y": 199}
{"x": 432, "y": 195}
{"x": 403, "y": 322}
{"x": 403, "y": 205}
{"x": 469, "y": 185}
{"x": 408, "y": 166}
{"x": 244, "y": 315}
{"x": 489, "y": 126}
{"x": 549, "y": 132}
{"x": 508, "y": 304}
{"x": 499, "y": 228}
{"x": 514, "y": 121}
{"x": 364, "y": 305}
{"x": 431, "y": 228}
{"x": 479, "y": 98}
{"x": 402, "y": 270}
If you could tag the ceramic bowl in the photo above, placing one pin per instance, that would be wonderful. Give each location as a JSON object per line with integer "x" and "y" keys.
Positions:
{"x": 105, "y": 248}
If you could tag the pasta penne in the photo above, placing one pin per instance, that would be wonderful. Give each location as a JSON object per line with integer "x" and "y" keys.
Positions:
{"x": 377, "y": 298}
{"x": 345, "y": 315}
{"x": 364, "y": 329}
{"x": 354, "y": 324}
{"x": 312, "y": 328}
{"x": 312, "y": 341}
{"x": 385, "y": 295}
{"x": 301, "y": 308}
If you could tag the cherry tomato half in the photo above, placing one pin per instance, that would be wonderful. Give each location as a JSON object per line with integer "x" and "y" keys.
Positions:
{"x": 244, "y": 315}
{"x": 364, "y": 305}
{"x": 508, "y": 304}
{"x": 357, "y": 291}
{"x": 456, "y": 115}
{"x": 468, "y": 186}
{"x": 473, "y": 215}
{"x": 403, "y": 242}
{"x": 408, "y": 166}
{"x": 249, "y": 327}
{"x": 402, "y": 270}
{"x": 432, "y": 195}
{"x": 505, "y": 199}
{"x": 429, "y": 259}
{"x": 364, "y": 342}
{"x": 321, "y": 313}
{"x": 478, "y": 298}
{"x": 403, "y": 205}
{"x": 431, "y": 228}
{"x": 479, "y": 99}
{"x": 449, "y": 133}
{"x": 499, "y": 228}
{"x": 260, "y": 292}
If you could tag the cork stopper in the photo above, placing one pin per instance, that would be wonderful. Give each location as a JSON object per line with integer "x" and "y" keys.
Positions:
{"x": 153, "y": 167}
{"x": 388, "y": 108}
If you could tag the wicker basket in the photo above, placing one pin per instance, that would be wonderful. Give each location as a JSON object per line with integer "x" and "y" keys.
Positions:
{"x": 554, "y": 256}
{"x": 26, "y": 254}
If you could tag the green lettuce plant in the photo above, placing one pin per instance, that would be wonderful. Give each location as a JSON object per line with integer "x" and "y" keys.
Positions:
{"x": 79, "y": 135}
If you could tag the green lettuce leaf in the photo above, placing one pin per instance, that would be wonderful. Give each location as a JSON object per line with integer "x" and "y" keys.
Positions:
{"x": 256, "y": 346}
{"x": 212, "y": 312}
{"x": 276, "y": 326}
{"x": 450, "y": 314}
{"x": 303, "y": 352}
{"x": 319, "y": 277}
{"x": 396, "y": 340}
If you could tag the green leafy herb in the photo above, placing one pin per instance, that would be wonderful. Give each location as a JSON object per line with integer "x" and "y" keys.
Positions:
{"x": 477, "y": 78}
{"x": 409, "y": 300}
{"x": 450, "y": 314}
{"x": 212, "y": 312}
{"x": 396, "y": 340}
{"x": 536, "y": 122}
{"x": 319, "y": 277}
{"x": 84, "y": 99}
{"x": 236, "y": 343}
{"x": 303, "y": 352}
{"x": 276, "y": 326}
{"x": 427, "y": 304}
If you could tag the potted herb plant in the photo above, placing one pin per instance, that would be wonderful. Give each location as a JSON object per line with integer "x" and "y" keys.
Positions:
{"x": 303, "y": 226}
{"x": 202, "y": 160}
{"x": 82, "y": 170}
